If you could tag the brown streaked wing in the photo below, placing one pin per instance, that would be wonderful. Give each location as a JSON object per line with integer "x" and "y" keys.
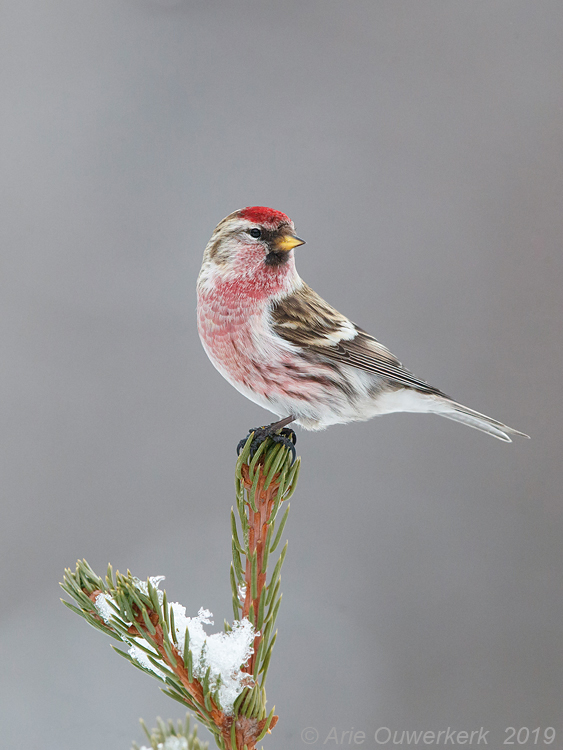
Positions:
{"x": 305, "y": 319}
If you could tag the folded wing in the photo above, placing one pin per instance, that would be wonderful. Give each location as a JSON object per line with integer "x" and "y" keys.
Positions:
{"x": 306, "y": 320}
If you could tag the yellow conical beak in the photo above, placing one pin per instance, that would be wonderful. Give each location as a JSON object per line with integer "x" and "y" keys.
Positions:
{"x": 287, "y": 242}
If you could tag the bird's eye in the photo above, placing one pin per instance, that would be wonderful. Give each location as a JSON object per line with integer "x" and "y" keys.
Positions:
{"x": 255, "y": 233}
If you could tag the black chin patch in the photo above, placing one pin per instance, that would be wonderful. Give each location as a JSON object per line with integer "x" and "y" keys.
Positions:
{"x": 274, "y": 258}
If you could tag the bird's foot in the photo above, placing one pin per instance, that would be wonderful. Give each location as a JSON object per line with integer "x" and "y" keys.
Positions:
{"x": 283, "y": 435}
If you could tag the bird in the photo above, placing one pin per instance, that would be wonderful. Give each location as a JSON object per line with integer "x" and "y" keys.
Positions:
{"x": 283, "y": 347}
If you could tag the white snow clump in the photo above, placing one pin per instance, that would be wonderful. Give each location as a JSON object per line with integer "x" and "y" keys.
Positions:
{"x": 144, "y": 587}
{"x": 171, "y": 743}
{"x": 104, "y": 609}
{"x": 223, "y": 652}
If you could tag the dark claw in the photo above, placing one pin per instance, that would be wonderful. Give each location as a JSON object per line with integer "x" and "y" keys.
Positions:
{"x": 285, "y": 436}
{"x": 242, "y": 443}
{"x": 287, "y": 432}
{"x": 288, "y": 438}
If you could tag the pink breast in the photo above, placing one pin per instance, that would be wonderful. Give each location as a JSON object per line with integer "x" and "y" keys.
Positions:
{"x": 227, "y": 330}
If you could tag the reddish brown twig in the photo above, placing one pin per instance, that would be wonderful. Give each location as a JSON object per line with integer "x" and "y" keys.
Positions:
{"x": 257, "y": 535}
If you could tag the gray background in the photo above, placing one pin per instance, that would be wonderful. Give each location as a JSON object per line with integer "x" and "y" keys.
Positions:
{"x": 417, "y": 146}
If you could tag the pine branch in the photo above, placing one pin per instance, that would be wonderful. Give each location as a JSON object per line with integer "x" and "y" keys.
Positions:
{"x": 220, "y": 677}
{"x": 170, "y": 737}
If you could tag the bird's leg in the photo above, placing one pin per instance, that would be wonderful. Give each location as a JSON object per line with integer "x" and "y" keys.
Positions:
{"x": 277, "y": 431}
{"x": 275, "y": 426}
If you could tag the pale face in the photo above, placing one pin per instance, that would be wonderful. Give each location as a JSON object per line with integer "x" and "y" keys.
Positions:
{"x": 251, "y": 246}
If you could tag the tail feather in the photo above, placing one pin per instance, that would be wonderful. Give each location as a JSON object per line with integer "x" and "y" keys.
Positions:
{"x": 465, "y": 415}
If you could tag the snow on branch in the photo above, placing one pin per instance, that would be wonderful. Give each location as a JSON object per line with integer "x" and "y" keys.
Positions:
{"x": 170, "y": 737}
{"x": 219, "y": 676}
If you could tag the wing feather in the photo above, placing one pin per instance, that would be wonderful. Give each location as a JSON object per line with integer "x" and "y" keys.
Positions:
{"x": 306, "y": 320}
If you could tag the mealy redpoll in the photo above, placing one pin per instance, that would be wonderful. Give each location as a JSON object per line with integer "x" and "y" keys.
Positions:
{"x": 281, "y": 345}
